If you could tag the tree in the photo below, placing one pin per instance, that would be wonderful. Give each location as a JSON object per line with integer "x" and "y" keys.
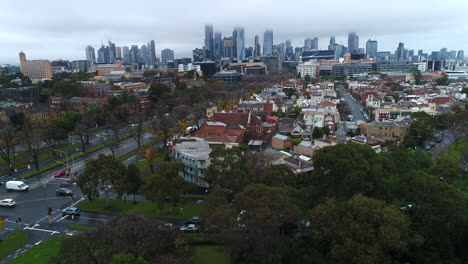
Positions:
{"x": 164, "y": 125}
{"x": 317, "y": 133}
{"x": 133, "y": 180}
{"x": 103, "y": 170}
{"x": 421, "y": 129}
{"x": 344, "y": 170}
{"x": 157, "y": 91}
{"x": 443, "y": 81}
{"x": 52, "y": 134}
{"x": 416, "y": 75}
{"x": 362, "y": 230}
{"x": 84, "y": 129}
{"x": 150, "y": 153}
{"x": 279, "y": 176}
{"x": 307, "y": 78}
{"x": 129, "y": 258}
{"x": 8, "y": 140}
{"x": 31, "y": 135}
{"x": 138, "y": 120}
{"x": 126, "y": 236}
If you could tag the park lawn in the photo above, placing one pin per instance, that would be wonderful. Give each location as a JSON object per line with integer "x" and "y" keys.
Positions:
{"x": 12, "y": 242}
{"x": 80, "y": 227}
{"x": 210, "y": 255}
{"x": 163, "y": 156}
{"x": 41, "y": 253}
{"x": 120, "y": 207}
{"x": 455, "y": 151}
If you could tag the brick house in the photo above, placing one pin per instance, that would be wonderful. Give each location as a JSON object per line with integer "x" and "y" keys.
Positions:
{"x": 306, "y": 148}
{"x": 218, "y": 131}
{"x": 252, "y": 124}
{"x": 281, "y": 142}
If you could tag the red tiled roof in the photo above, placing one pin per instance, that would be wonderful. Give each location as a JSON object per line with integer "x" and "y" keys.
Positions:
{"x": 237, "y": 119}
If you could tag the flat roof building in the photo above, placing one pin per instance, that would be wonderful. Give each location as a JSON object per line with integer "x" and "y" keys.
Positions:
{"x": 35, "y": 69}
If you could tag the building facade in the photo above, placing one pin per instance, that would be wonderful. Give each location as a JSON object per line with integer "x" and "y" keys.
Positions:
{"x": 268, "y": 42}
{"x": 35, "y": 69}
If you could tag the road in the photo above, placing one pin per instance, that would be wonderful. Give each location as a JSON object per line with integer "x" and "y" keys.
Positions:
{"x": 448, "y": 140}
{"x": 354, "y": 107}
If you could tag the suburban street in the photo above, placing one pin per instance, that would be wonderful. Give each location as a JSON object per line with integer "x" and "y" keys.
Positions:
{"x": 354, "y": 107}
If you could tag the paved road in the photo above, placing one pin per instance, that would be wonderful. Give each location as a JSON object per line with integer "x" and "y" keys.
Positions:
{"x": 354, "y": 107}
{"x": 448, "y": 140}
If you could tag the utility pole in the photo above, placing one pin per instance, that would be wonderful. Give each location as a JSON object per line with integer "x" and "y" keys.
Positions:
{"x": 49, "y": 215}
{"x": 18, "y": 221}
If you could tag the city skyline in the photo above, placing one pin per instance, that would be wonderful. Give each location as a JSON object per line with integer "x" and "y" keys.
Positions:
{"x": 61, "y": 37}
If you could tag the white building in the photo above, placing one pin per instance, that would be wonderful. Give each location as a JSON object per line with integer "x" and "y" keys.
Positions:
{"x": 422, "y": 66}
{"x": 188, "y": 67}
{"x": 195, "y": 155}
{"x": 307, "y": 68}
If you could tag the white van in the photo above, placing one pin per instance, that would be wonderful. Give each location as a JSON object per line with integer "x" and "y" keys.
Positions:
{"x": 16, "y": 186}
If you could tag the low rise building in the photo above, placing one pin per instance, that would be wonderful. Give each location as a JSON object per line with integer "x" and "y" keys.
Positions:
{"x": 308, "y": 68}
{"x": 281, "y": 142}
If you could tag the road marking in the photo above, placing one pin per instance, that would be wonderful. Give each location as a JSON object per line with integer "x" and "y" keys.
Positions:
{"x": 37, "y": 243}
{"x": 63, "y": 217}
{"x": 42, "y": 230}
{"x": 79, "y": 201}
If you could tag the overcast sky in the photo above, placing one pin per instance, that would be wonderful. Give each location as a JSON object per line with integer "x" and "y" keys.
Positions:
{"x": 60, "y": 29}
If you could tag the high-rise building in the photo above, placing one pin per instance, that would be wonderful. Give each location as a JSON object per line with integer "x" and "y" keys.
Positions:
{"x": 240, "y": 43}
{"x": 234, "y": 43}
{"x": 90, "y": 54}
{"x": 307, "y": 44}
{"x": 134, "y": 54}
{"x": 126, "y": 54}
{"x": 460, "y": 55}
{"x": 249, "y": 52}
{"x": 35, "y": 69}
{"x": 257, "y": 47}
{"x": 209, "y": 45}
{"x": 420, "y": 52}
{"x": 453, "y": 54}
{"x": 268, "y": 42}
{"x": 103, "y": 54}
{"x": 228, "y": 44}
{"x": 400, "y": 52}
{"x": 218, "y": 45}
{"x": 144, "y": 53}
{"x": 152, "y": 53}
{"x": 371, "y": 49}
{"x": 111, "y": 51}
{"x": 410, "y": 53}
{"x": 118, "y": 53}
{"x": 315, "y": 44}
{"x": 353, "y": 43}
{"x": 332, "y": 42}
{"x": 167, "y": 55}
{"x": 197, "y": 55}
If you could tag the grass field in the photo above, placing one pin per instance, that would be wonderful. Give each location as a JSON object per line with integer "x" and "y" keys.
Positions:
{"x": 210, "y": 255}
{"x": 12, "y": 242}
{"x": 455, "y": 151}
{"x": 80, "y": 227}
{"x": 41, "y": 253}
{"x": 119, "y": 207}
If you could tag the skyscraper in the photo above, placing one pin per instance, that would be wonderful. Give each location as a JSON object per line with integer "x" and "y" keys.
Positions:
{"x": 118, "y": 53}
{"x": 111, "y": 51}
{"x": 353, "y": 43}
{"x": 134, "y": 54}
{"x": 307, "y": 44}
{"x": 126, "y": 54}
{"x": 167, "y": 55}
{"x": 400, "y": 52}
{"x": 103, "y": 54}
{"x": 90, "y": 54}
{"x": 332, "y": 42}
{"x": 371, "y": 49}
{"x": 460, "y": 55}
{"x": 257, "y": 47}
{"x": 234, "y": 43}
{"x": 228, "y": 44}
{"x": 152, "y": 53}
{"x": 218, "y": 45}
{"x": 240, "y": 43}
{"x": 315, "y": 43}
{"x": 209, "y": 46}
{"x": 268, "y": 42}
{"x": 145, "y": 53}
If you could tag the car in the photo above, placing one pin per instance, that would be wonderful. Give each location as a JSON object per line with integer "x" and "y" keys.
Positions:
{"x": 189, "y": 228}
{"x": 193, "y": 220}
{"x": 60, "y": 173}
{"x": 71, "y": 211}
{"x": 64, "y": 192}
{"x": 201, "y": 201}
{"x": 7, "y": 202}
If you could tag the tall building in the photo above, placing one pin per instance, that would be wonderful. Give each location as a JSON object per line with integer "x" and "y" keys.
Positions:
{"x": 209, "y": 45}
{"x": 420, "y": 52}
{"x": 234, "y": 43}
{"x": 152, "y": 53}
{"x": 400, "y": 52}
{"x": 240, "y": 43}
{"x": 410, "y": 53}
{"x": 268, "y": 42}
{"x": 315, "y": 44}
{"x": 460, "y": 55}
{"x": 353, "y": 43}
{"x": 35, "y": 69}
{"x": 332, "y": 42}
{"x": 371, "y": 49}
{"x": 111, "y": 51}
{"x": 257, "y": 47}
{"x": 144, "y": 53}
{"x": 453, "y": 54}
{"x": 228, "y": 44}
{"x": 197, "y": 55}
{"x": 103, "y": 54}
{"x": 126, "y": 54}
{"x": 90, "y": 54}
{"x": 167, "y": 55}
{"x": 307, "y": 44}
{"x": 134, "y": 54}
{"x": 118, "y": 53}
{"x": 218, "y": 45}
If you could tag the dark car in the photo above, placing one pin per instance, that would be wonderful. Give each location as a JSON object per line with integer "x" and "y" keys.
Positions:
{"x": 64, "y": 192}
{"x": 71, "y": 211}
{"x": 193, "y": 220}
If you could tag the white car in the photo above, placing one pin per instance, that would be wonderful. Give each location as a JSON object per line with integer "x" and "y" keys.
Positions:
{"x": 7, "y": 202}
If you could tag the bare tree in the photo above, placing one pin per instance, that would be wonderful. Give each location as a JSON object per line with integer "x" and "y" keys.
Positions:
{"x": 32, "y": 136}
{"x": 84, "y": 130}
{"x": 8, "y": 139}
{"x": 137, "y": 119}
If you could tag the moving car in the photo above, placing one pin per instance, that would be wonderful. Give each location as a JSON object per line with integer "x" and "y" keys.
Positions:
{"x": 7, "y": 202}
{"x": 16, "y": 186}
{"x": 60, "y": 173}
{"x": 71, "y": 211}
{"x": 189, "y": 228}
{"x": 64, "y": 191}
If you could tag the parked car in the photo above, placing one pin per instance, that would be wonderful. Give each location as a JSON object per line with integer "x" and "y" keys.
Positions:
{"x": 193, "y": 220}
{"x": 7, "y": 202}
{"x": 64, "y": 192}
{"x": 71, "y": 211}
{"x": 60, "y": 173}
{"x": 189, "y": 228}
{"x": 16, "y": 186}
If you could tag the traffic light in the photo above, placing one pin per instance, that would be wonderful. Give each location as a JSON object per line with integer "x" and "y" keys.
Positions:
{"x": 49, "y": 212}
{"x": 2, "y": 223}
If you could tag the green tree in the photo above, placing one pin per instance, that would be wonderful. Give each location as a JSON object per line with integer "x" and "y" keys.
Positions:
{"x": 8, "y": 140}
{"x": 416, "y": 75}
{"x": 103, "y": 170}
{"x": 362, "y": 230}
{"x": 317, "y": 133}
{"x": 296, "y": 141}
{"x": 278, "y": 176}
{"x": 133, "y": 181}
{"x": 307, "y": 78}
{"x": 128, "y": 258}
{"x": 421, "y": 129}
{"x": 31, "y": 135}
{"x": 157, "y": 90}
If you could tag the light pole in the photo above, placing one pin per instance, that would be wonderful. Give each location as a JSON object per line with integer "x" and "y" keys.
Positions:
{"x": 69, "y": 168}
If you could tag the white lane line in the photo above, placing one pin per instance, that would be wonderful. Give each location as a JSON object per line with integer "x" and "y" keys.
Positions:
{"x": 63, "y": 217}
{"x": 37, "y": 243}
{"x": 42, "y": 230}
{"x": 89, "y": 218}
